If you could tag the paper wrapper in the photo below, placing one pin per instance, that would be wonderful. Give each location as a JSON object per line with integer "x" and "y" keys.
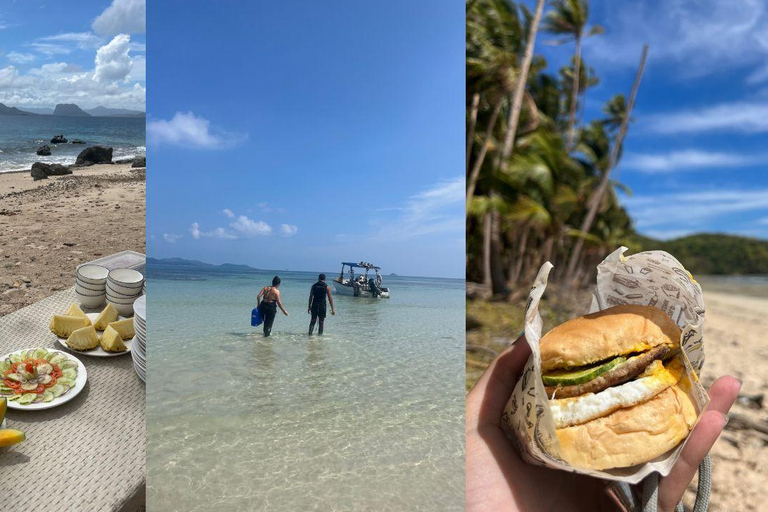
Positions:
{"x": 652, "y": 278}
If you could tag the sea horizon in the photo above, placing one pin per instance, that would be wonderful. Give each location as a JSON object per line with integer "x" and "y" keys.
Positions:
{"x": 21, "y": 136}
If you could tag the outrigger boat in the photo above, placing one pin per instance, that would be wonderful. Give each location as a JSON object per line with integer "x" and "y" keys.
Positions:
{"x": 360, "y": 284}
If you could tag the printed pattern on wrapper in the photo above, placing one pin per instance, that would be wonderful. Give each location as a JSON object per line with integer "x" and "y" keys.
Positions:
{"x": 653, "y": 278}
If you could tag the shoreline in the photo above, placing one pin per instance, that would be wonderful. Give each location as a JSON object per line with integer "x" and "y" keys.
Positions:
{"x": 49, "y": 226}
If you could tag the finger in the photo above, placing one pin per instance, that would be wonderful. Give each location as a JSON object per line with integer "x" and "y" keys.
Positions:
{"x": 722, "y": 395}
{"x": 496, "y": 385}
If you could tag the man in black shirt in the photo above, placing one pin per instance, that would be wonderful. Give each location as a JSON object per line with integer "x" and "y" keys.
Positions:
{"x": 316, "y": 306}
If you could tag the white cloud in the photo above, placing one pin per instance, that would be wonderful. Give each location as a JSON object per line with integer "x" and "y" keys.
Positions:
{"x": 288, "y": 229}
{"x": 741, "y": 117}
{"x": 250, "y": 227}
{"x": 20, "y": 58}
{"x": 437, "y": 210}
{"x": 187, "y": 129}
{"x": 51, "y": 49}
{"x": 113, "y": 64}
{"x": 763, "y": 221}
{"x": 194, "y": 229}
{"x": 139, "y": 70}
{"x": 694, "y": 211}
{"x": 705, "y": 36}
{"x": 171, "y": 238}
{"x": 687, "y": 160}
{"x": 228, "y": 213}
{"x": 122, "y": 17}
{"x": 82, "y": 40}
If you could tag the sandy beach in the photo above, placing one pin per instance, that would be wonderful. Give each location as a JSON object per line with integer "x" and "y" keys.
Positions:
{"x": 48, "y": 227}
{"x": 737, "y": 344}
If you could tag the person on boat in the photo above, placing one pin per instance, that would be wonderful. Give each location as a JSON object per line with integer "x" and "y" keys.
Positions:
{"x": 269, "y": 300}
{"x": 316, "y": 307}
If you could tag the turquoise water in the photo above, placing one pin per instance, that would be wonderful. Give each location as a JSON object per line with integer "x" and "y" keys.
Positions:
{"x": 369, "y": 416}
{"x": 20, "y": 136}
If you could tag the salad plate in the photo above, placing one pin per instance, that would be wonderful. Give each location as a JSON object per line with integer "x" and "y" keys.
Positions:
{"x": 39, "y": 378}
{"x": 98, "y": 351}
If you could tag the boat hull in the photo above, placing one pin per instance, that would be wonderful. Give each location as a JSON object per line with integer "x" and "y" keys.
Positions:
{"x": 348, "y": 289}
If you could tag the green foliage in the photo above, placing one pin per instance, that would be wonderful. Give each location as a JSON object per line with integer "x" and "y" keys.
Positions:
{"x": 713, "y": 254}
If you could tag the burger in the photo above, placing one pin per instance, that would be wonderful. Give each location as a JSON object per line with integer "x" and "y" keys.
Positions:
{"x": 613, "y": 379}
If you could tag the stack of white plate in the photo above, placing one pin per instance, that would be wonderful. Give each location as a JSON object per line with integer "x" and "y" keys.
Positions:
{"x": 90, "y": 286}
{"x": 139, "y": 348}
{"x": 124, "y": 286}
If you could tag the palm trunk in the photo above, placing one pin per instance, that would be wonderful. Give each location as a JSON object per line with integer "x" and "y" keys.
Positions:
{"x": 522, "y": 80}
{"x": 597, "y": 197}
{"x": 487, "y": 249}
{"x": 520, "y": 255}
{"x": 574, "y": 95}
{"x": 498, "y": 282}
{"x": 472, "y": 122}
{"x": 475, "y": 174}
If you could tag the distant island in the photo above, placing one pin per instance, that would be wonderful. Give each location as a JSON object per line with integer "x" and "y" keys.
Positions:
{"x": 70, "y": 110}
{"x": 713, "y": 253}
{"x": 191, "y": 264}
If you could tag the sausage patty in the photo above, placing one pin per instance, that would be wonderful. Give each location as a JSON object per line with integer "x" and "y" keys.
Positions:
{"x": 622, "y": 373}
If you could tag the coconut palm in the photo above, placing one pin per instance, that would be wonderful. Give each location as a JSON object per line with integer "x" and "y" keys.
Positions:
{"x": 569, "y": 18}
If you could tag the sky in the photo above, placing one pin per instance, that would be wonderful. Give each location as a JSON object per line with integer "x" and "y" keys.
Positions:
{"x": 91, "y": 55}
{"x": 696, "y": 157}
{"x": 296, "y": 135}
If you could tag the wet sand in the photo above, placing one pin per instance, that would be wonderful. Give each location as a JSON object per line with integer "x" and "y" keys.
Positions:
{"x": 50, "y": 226}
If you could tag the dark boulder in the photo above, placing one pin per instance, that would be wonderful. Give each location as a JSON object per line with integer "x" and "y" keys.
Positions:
{"x": 38, "y": 173}
{"x": 44, "y": 151}
{"x": 94, "y": 155}
{"x": 58, "y": 139}
{"x": 77, "y": 141}
{"x": 139, "y": 161}
{"x": 39, "y": 168}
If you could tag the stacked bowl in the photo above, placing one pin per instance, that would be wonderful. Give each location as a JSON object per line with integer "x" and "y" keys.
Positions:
{"x": 124, "y": 286}
{"x": 90, "y": 286}
{"x": 139, "y": 350}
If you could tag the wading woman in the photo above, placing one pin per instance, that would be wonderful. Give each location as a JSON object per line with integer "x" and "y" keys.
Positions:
{"x": 269, "y": 300}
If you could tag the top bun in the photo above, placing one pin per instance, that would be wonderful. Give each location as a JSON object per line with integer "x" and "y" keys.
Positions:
{"x": 608, "y": 333}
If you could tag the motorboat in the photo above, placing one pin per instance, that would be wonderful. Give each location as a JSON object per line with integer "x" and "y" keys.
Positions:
{"x": 360, "y": 284}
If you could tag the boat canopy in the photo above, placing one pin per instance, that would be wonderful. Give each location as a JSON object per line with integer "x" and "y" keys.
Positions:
{"x": 362, "y": 264}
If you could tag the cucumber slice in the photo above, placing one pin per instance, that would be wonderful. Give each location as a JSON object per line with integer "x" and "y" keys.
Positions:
{"x": 48, "y": 396}
{"x": 66, "y": 381}
{"x": 58, "y": 389}
{"x": 4, "y": 391}
{"x": 14, "y": 398}
{"x": 59, "y": 359}
{"x": 68, "y": 364}
{"x": 69, "y": 373}
{"x": 27, "y": 398}
{"x": 5, "y": 366}
{"x": 16, "y": 358}
{"x": 39, "y": 353}
{"x": 49, "y": 355}
{"x": 14, "y": 377}
{"x": 580, "y": 375}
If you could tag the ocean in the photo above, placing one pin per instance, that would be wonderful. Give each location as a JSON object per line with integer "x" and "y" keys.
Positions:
{"x": 20, "y": 136}
{"x": 752, "y": 286}
{"x": 369, "y": 416}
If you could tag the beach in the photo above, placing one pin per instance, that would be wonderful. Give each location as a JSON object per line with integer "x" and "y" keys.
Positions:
{"x": 736, "y": 344}
{"x": 48, "y": 227}
{"x": 736, "y": 336}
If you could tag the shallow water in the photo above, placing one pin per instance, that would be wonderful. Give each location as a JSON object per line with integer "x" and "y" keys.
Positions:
{"x": 751, "y": 286}
{"x": 20, "y": 136}
{"x": 370, "y": 416}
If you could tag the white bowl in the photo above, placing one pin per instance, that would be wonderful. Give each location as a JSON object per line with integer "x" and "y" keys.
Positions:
{"x": 88, "y": 292}
{"x": 89, "y": 301}
{"x": 93, "y": 274}
{"x": 89, "y": 288}
{"x": 125, "y": 310}
{"x": 126, "y": 277}
{"x": 122, "y": 291}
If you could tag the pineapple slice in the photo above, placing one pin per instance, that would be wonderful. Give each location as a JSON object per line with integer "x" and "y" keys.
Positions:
{"x": 83, "y": 339}
{"x": 109, "y": 314}
{"x": 111, "y": 340}
{"x": 124, "y": 328}
{"x": 74, "y": 310}
{"x": 64, "y": 325}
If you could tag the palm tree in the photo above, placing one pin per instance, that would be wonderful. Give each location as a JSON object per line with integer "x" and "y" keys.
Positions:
{"x": 569, "y": 18}
{"x": 597, "y": 197}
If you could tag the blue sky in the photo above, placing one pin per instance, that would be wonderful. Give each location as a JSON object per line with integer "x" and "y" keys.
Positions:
{"x": 295, "y": 135}
{"x": 697, "y": 155}
{"x": 91, "y": 54}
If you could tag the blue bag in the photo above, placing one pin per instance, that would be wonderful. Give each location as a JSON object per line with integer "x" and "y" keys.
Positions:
{"x": 256, "y": 317}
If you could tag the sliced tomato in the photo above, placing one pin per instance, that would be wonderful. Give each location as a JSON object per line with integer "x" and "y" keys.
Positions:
{"x": 30, "y": 368}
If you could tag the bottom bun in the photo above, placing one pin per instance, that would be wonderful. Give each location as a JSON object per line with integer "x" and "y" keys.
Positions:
{"x": 630, "y": 436}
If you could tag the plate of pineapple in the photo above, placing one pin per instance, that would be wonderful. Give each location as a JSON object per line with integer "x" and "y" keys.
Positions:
{"x": 104, "y": 334}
